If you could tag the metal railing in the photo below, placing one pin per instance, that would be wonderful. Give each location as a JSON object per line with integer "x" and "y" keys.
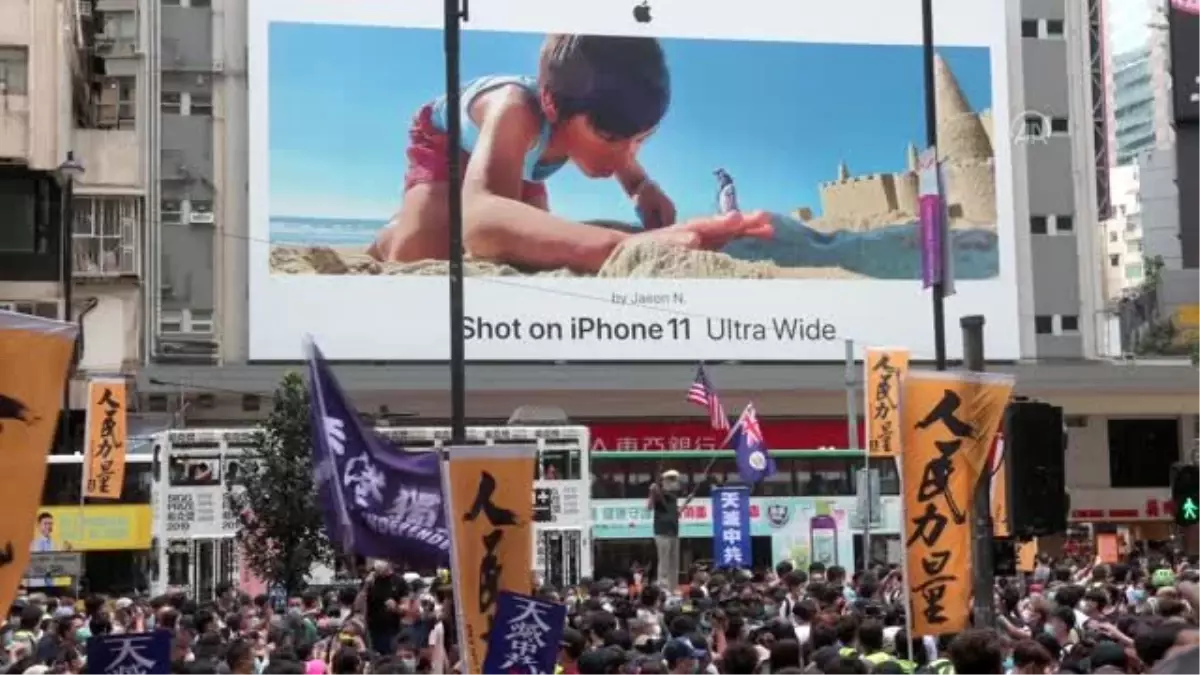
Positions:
{"x": 107, "y": 237}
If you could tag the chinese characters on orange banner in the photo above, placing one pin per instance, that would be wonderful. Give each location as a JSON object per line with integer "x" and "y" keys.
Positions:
{"x": 35, "y": 357}
{"x": 106, "y": 439}
{"x": 491, "y": 500}
{"x": 948, "y": 421}
{"x": 884, "y": 368}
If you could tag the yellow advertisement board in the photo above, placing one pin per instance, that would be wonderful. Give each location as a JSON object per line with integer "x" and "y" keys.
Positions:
{"x": 95, "y": 527}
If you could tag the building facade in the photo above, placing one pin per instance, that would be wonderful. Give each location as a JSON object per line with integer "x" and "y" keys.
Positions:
{"x": 1139, "y": 79}
{"x": 157, "y": 113}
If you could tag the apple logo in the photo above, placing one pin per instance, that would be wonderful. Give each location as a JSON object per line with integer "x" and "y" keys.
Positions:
{"x": 641, "y": 13}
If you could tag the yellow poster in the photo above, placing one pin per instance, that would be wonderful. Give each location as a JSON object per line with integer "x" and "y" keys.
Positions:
{"x": 491, "y": 521}
{"x": 884, "y": 367}
{"x": 95, "y": 527}
{"x": 35, "y": 360}
{"x": 107, "y": 437}
{"x": 999, "y": 478}
{"x": 949, "y": 420}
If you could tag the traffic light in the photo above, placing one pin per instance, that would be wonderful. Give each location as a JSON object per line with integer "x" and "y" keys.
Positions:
{"x": 1185, "y": 484}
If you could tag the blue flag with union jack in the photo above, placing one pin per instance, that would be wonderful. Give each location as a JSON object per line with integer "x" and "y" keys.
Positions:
{"x": 754, "y": 461}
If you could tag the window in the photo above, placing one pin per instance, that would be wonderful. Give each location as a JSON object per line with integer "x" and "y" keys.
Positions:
{"x": 1141, "y": 451}
{"x": 1037, "y": 224}
{"x": 1134, "y": 271}
{"x": 14, "y": 70}
{"x": 45, "y": 310}
{"x": 63, "y": 483}
{"x": 1070, "y": 323}
{"x": 1065, "y": 224}
{"x": 170, "y": 322}
{"x": 1043, "y": 324}
{"x": 200, "y": 321}
{"x": 1121, "y": 209}
{"x": 1029, "y": 28}
{"x": 201, "y": 105}
{"x": 1059, "y": 125}
{"x": 172, "y": 102}
{"x": 201, "y": 3}
{"x": 171, "y": 212}
{"x": 1114, "y": 260}
{"x": 1134, "y": 246}
{"x": 1054, "y": 27}
{"x": 1113, "y": 237}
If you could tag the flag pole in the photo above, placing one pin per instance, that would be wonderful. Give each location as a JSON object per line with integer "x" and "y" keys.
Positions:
{"x": 458, "y": 377}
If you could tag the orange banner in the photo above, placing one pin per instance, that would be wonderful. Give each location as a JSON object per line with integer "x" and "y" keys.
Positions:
{"x": 1108, "y": 548}
{"x": 107, "y": 439}
{"x": 884, "y": 367}
{"x": 949, "y": 420}
{"x": 999, "y": 471}
{"x": 1027, "y": 556}
{"x": 35, "y": 359}
{"x": 491, "y": 520}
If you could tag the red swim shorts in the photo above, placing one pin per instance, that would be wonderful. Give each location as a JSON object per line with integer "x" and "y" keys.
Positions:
{"x": 427, "y": 163}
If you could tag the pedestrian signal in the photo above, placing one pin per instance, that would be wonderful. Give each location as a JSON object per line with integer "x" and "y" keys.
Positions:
{"x": 1185, "y": 484}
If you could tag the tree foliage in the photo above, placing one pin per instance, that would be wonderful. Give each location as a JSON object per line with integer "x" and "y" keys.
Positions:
{"x": 281, "y": 532}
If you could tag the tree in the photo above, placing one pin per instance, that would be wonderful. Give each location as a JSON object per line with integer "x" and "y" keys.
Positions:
{"x": 281, "y": 531}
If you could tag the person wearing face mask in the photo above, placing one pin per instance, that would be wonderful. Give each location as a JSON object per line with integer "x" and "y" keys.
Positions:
{"x": 1061, "y": 626}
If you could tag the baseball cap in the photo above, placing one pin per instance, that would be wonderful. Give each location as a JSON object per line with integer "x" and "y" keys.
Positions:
{"x": 679, "y": 649}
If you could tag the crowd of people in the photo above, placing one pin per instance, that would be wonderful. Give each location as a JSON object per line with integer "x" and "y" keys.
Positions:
{"x": 1136, "y": 616}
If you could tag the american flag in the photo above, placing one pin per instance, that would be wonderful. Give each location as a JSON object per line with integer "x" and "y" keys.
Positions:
{"x": 702, "y": 394}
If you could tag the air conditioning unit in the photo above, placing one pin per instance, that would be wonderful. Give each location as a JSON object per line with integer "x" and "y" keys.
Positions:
{"x": 201, "y": 218}
{"x": 218, "y": 65}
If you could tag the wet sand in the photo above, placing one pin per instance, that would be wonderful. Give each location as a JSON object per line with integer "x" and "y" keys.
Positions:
{"x": 645, "y": 260}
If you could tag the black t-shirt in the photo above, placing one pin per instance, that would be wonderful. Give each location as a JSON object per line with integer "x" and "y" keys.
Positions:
{"x": 666, "y": 514}
{"x": 382, "y": 589}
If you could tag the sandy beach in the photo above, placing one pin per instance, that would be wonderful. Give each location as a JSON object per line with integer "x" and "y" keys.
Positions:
{"x": 645, "y": 260}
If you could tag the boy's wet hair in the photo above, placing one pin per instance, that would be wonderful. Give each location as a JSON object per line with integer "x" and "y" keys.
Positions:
{"x": 620, "y": 83}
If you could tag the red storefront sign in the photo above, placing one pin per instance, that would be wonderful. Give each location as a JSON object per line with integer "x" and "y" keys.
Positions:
{"x": 1155, "y": 509}
{"x": 685, "y": 435}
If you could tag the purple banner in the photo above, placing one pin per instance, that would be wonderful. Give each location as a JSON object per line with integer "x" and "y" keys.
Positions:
{"x": 525, "y": 636}
{"x": 932, "y": 205}
{"x": 378, "y": 501}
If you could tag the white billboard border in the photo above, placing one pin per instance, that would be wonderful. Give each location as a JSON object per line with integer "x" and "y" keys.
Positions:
{"x": 348, "y": 332}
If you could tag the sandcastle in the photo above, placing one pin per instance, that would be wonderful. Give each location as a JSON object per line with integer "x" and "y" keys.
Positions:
{"x": 965, "y": 148}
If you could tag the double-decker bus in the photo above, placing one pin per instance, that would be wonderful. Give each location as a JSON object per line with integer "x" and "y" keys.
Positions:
{"x": 808, "y": 510}
{"x": 112, "y": 536}
{"x": 196, "y": 531}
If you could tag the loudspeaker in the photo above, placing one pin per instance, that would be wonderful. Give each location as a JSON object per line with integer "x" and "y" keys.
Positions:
{"x": 1035, "y": 444}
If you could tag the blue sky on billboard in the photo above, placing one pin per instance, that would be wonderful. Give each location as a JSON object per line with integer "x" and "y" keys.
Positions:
{"x": 778, "y": 116}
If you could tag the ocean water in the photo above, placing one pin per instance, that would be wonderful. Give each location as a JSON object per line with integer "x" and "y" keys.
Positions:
{"x": 892, "y": 252}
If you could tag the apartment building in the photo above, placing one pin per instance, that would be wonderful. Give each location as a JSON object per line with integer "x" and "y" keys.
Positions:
{"x": 1139, "y": 80}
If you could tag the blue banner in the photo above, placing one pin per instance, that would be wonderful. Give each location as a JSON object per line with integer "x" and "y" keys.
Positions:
{"x": 525, "y": 635}
{"x": 377, "y": 501}
{"x": 130, "y": 653}
{"x": 731, "y": 528}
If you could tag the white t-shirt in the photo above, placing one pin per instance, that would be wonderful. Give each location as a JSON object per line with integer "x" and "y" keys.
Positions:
{"x": 437, "y": 645}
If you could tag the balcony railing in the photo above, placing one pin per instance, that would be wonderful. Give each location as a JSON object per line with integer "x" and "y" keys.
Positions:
{"x": 107, "y": 242}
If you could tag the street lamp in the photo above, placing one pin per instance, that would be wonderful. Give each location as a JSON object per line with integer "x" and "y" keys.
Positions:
{"x": 66, "y": 174}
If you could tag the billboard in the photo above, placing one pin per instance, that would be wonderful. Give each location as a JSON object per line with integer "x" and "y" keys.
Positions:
{"x": 719, "y": 183}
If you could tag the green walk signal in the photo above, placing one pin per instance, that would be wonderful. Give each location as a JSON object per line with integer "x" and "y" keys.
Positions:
{"x": 1189, "y": 513}
{"x": 1185, "y": 484}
